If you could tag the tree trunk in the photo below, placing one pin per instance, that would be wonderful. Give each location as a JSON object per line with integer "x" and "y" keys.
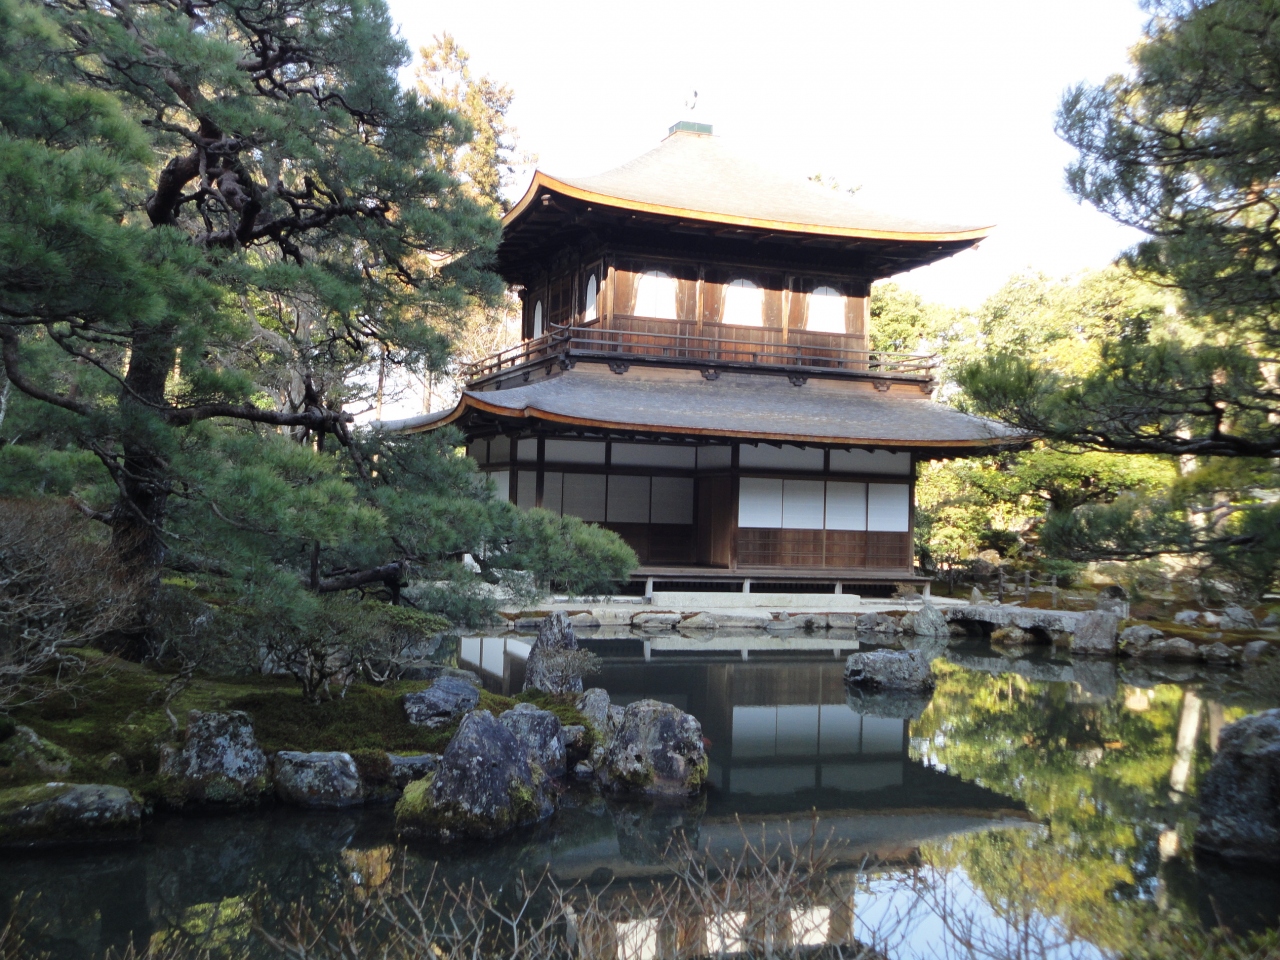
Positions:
{"x": 143, "y": 476}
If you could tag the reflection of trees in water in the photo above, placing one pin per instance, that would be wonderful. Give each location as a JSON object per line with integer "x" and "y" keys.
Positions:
{"x": 1112, "y": 780}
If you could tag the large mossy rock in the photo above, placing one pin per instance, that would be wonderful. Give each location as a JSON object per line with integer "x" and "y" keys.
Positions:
{"x": 445, "y": 702}
{"x": 219, "y": 764}
{"x": 1240, "y": 796}
{"x": 25, "y": 753}
{"x": 49, "y": 814}
{"x": 890, "y": 670}
{"x": 321, "y": 780}
{"x": 657, "y": 750}
{"x": 484, "y": 787}
{"x": 549, "y": 667}
{"x": 539, "y": 732}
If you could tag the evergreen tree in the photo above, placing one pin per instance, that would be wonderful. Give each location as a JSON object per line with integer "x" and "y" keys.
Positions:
{"x": 214, "y": 217}
{"x": 1184, "y": 148}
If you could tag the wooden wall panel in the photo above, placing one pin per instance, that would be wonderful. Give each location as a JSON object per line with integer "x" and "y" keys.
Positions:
{"x": 716, "y": 509}
{"x": 712, "y": 301}
{"x": 660, "y": 543}
{"x": 837, "y": 549}
{"x": 773, "y": 308}
{"x": 857, "y": 312}
{"x": 624, "y": 291}
{"x": 687, "y": 299}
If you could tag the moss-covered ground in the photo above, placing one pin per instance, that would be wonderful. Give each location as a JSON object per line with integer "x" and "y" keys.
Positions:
{"x": 113, "y": 721}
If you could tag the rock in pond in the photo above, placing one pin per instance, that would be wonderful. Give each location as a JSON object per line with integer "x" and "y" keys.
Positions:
{"x": 1095, "y": 634}
{"x": 220, "y": 762}
{"x": 1255, "y": 650}
{"x": 1240, "y": 796}
{"x": 550, "y": 666}
{"x": 928, "y": 621}
{"x": 1218, "y": 653}
{"x": 483, "y": 788}
{"x": 657, "y": 750}
{"x": 49, "y": 814}
{"x": 321, "y": 780}
{"x": 442, "y": 703}
{"x": 25, "y": 751}
{"x": 1173, "y": 648}
{"x": 889, "y": 670}
{"x": 539, "y": 732}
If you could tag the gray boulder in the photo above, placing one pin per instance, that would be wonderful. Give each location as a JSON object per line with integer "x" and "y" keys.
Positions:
{"x": 483, "y": 788}
{"x": 539, "y": 732}
{"x": 1173, "y": 648}
{"x": 890, "y": 670}
{"x": 442, "y": 703}
{"x": 1187, "y": 617}
{"x": 1218, "y": 653}
{"x": 1255, "y": 650}
{"x": 26, "y": 752}
{"x": 407, "y": 768}
{"x": 657, "y": 750}
{"x": 1240, "y": 796}
{"x": 1237, "y": 618}
{"x": 550, "y": 666}
{"x": 219, "y": 764}
{"x": 604, "y": 719}
{"x": 928, "y": 621}
{"x": 49, "y": 814}
{"x": 577, "y": 743}
{"x": 1271, "y": 620}
{"x": 320, "y": 780}
{"x": 878, "y": 623}
{"x": 1095, "y": 634}
{"x": 1139, "y": 634}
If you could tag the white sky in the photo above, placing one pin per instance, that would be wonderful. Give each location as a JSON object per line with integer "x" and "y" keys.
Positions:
{"x": 935, "y": 107}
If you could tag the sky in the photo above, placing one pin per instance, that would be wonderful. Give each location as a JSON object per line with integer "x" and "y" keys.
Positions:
{"x": 933, "y": 108}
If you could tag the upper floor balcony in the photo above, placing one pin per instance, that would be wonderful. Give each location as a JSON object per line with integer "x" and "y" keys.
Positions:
{"x": 624, "y": 339}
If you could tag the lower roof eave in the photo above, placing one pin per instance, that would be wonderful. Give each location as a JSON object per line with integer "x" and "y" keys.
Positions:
{"x": 470, "y": 404}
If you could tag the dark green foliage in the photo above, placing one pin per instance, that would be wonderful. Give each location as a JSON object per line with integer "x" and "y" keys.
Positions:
{"x": 569, "y": 555}
{"x": 1184, "y": 148}
{"x": 214, "y": 219}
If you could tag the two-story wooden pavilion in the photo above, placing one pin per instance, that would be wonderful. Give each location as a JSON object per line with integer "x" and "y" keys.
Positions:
{"x": 695, "y": 375}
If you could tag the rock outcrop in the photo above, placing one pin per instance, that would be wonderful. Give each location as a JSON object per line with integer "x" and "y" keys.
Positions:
{"x": 219, "y": 764}
{"x": 446, "y": 701}
{"x": 928, "y": 621}
{"x": 1240, "y": 796}
{"x": 49, "y": 814}
{"x": 25, "y": 751}
{"x": 890, "y": 670}
{"x": 483, "y": 788}
{"x": 319, "y": 780}
{"x": 1237, "y": 618}
{"x": 539, "y": 733}
{"x": 1095, "y": 634}
{"x": 406, "y": 769}
{"x": 657, "y": 750}
{"x": 551, "y": 666}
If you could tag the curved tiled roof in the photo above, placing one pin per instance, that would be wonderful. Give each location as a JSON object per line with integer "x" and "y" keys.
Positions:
{"x": 694, "y": 176}
{"x": 741, "y": 405}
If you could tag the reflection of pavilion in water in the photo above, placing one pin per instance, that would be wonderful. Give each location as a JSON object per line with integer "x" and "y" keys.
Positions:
{"x": 783, "y": 736}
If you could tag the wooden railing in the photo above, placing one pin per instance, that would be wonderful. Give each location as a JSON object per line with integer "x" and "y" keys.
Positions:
{"x": 710, "y": 343}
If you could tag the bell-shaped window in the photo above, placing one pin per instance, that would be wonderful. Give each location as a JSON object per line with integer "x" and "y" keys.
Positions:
{"x": 826, "y": 311}
{"x": 743, "y": 304}
{"x": 593, "y": 291}
{"x": 537, "y": 319}
{"x": 656, "y": 296}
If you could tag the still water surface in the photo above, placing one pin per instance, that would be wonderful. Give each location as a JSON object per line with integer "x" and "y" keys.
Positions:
{"x": 1028, "y": 786}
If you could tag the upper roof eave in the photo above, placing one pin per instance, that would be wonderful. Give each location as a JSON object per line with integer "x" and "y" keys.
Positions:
{"x": 542, "y": 181}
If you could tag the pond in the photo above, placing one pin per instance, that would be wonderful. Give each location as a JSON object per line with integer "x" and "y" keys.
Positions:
{"x": 1028, "y": 800}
